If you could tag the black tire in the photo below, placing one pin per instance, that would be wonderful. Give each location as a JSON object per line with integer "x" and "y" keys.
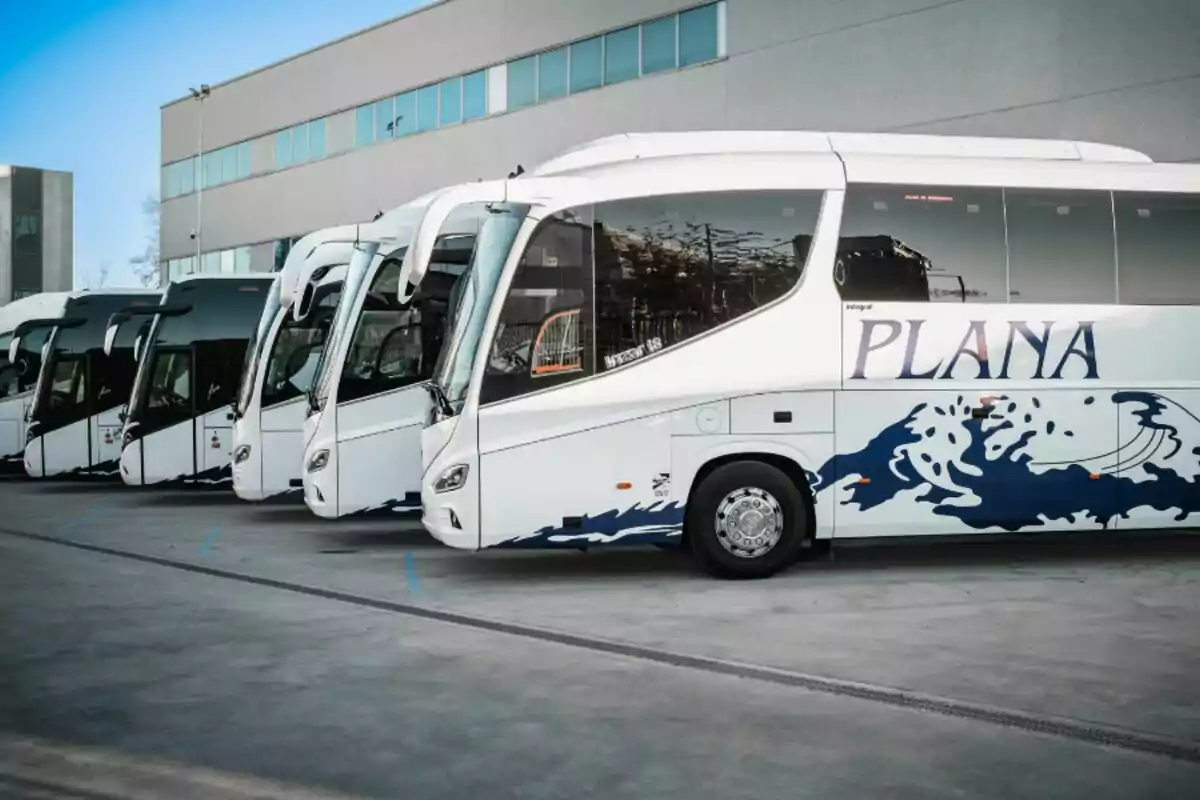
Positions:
{"x": 706, "y": 545}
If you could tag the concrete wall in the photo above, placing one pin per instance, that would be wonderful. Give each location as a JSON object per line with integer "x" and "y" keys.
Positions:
{"x": 1105, "y": 70}
{"x": 58, "y": 231}
{"x": 5, "y": 235}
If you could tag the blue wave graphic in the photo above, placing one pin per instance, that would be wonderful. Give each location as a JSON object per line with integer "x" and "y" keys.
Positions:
{"x": 654, "y": 524}
{"x": 994, "y": 468}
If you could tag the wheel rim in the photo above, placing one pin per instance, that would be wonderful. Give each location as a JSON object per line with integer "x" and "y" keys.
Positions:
{"x": 749, "y": 522}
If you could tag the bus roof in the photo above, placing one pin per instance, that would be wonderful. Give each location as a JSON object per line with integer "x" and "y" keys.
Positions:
{"x": 631, "y": 146}
{"x": 38, "y": 306}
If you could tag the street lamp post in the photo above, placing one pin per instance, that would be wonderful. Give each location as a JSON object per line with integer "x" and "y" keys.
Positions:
{"x": 198, "y": 95}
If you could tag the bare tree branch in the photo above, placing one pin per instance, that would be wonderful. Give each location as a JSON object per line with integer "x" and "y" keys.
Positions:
{"x": 145, "y": 264}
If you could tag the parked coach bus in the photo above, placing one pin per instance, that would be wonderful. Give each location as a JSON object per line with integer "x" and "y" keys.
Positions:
{"x": 178, "y": 428}
{"x": 73, "y": 424}
{"x": 369, "y": 403}
{"x": 756, "y": 342}
{"x": 268, "y": 439}
{"x": 19, "y": 374}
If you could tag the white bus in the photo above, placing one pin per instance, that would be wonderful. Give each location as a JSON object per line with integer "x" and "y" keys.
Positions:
{"x": 755, "y": 342}
{"x": 268, "y": 443}
{"x": 369, "y": 403}
{"x": 18, "y": 375}
{"x": 178, "y": 427}
{"x": 73, "y": 425}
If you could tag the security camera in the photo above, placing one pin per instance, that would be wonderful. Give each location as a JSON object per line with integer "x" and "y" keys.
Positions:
{"x": 192, "y": 235}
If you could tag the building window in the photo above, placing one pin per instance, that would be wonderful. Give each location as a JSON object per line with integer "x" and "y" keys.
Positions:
{"x": 243, "y": 160}
{"x": 1060, "y": 246}
{"x": 1158, "y": 248}
{"x": 475, "y": 95}
{"x": 427, "y": 108}
{"x": 171, "y": 178}
{"x": 922, "y": 244}
{"x": 364, "y": 125}
{"x": 522, "y": 82}
{"x": 587, "y": 64}
{"x": 405, "y": 111}
{"x": 300, "y": 152}
{"x": 187, "y": 176}
{"x": 229, "y": 165}
{"x": 283, "y": 149}
{"x": 552, "y": 78}
{"x": 451, "y": 101}
{"x": 698, "y": 39}
{"x": 621, "y": 55}
{"x": 385, "y": 124}
{"x": 241, "y": 258}
{"x": 212, "y": 169}
{"x": 227, "y": 262}
{"x": 316, "y": 139}
{"x": 658, "y": 45}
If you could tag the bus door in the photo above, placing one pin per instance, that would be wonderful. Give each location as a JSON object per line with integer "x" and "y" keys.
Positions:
{"x": 218, "y": 364}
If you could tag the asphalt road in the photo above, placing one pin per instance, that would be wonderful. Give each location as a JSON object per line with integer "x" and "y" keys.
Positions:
{"x": 188, "y": 645}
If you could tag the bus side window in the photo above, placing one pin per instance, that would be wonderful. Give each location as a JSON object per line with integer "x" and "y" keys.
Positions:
{"x": 1158, "y": 242}
{"x": 218, "y": 372}
{"x": 922, "y": 244}
{"x": 543, "y": 338}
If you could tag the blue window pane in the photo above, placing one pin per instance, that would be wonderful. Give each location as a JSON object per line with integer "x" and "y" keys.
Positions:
{"x": 552, "y": 74}
{"x": 621, "y": 55}
{"x": 427, "y": 108}
{"x": 300, "y": 152}
{"x": 243, "y": 160}
{"x": 384, "y": 122}
{"x": 586, "y": 66}
{"x": 658, "y": 45}
{"x": 241, "y": 259}
{"x": 522, "y": 82}
{"x": 364, "y": 125}
{"x": 187, "y": 176}
{"x": 316, "y": 139}
{"x": 405, "y": 111}
{"x": 171, "y": 179}
{"x": 283, "y": 149}
{"x": 228, "y": 164}
{"x": 212, "y": 169}
{"x": 451, "y": 111}
{"x": 475, "y": 95}
{"x": 698, "y": 35}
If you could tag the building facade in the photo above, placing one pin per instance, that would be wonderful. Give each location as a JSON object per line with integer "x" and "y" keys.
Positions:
{"x": 461, "y": 90}
{"x": 37, "y": 229}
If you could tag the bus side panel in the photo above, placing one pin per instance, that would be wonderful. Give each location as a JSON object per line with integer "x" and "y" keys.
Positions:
{"x": 282, "y": 446}
{"x": 379, "y": 451}
{"x": 169, "y": 454}
{"x": 589, "y": 470}
{"x": 12, "y": 428}
{"x": 1159, "y": 460}
{"x": 106, "y": 442}
{"x": 966, "y": 461}
{"x": 216, "y": 464}
{"x": 65, "y": 449}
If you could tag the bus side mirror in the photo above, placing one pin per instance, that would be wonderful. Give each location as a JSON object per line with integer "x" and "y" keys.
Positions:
{"x": 14, "y": 347}
{"x": 137, "y": 348}
{"x": 110, "y": 338}
{"x": 123, "y": 414}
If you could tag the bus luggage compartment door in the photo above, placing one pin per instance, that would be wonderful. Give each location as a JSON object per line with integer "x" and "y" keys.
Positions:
{"x": 215, "y": 449}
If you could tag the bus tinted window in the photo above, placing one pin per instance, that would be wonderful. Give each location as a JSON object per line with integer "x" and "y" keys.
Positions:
{"x": 1158, "y": 248}
{"x": 670, "y": 268}
{"x": 394, "y": 345}
{"x": 919, "y": 244}
{"x": 293, "y": 359}
{"x": 171, "y": 383}
{"x": 218, "y": 370}
{"x": 542, "y": 338}
{"x": 1060, "y": 247}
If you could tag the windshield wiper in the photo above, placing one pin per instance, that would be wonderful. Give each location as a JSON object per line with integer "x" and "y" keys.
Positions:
{"x": 439, "y": 398}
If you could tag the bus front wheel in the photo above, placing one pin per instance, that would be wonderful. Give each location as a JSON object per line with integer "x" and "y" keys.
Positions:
{"x": 747, "y": 519}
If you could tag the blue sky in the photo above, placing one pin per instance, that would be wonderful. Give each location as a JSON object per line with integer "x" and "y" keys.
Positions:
{"x": 81, "y": 83}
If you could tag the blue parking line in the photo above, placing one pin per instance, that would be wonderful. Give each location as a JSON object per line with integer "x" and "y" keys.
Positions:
{"x": 90, "y": 513}
{"x": 208, "y": 540}
{"x": 410, "y": 572}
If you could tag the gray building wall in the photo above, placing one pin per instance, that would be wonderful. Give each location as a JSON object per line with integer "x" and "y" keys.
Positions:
{"x": 1112, "y": 71}
{"x": 49, "y": 197}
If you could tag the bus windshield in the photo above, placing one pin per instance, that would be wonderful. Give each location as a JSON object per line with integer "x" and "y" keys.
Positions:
{"x": 254, "y": 350}
{"x": 296, "y": 351}
{"x": 453, "y": 370}
{"x": 360, "y": 263}
{"x": 137, "y": 397}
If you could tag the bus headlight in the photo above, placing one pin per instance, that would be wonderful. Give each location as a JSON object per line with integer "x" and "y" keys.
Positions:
{"x": 319, "y": 461}
{"x": 241, "y": 453}
{"x": 453, "y": 478}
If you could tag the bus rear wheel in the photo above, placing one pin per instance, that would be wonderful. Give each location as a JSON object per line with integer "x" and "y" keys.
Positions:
{"x": 747, "y": 519}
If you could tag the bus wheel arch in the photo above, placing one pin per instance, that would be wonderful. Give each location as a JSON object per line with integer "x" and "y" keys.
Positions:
{"x": 778, "y": 475}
